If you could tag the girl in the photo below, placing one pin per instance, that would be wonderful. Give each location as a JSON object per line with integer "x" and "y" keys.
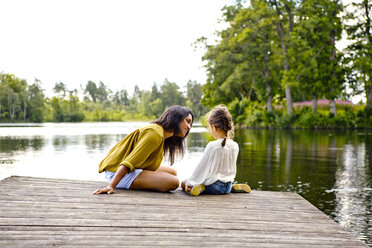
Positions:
{"x": 217, "y": 169}
{"x": 134, "y": 162}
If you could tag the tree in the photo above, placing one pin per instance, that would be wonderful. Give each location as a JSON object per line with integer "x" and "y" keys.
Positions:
{"x": 13, "y": 97}
{"x": 317, "y": 71}
{"x": 144, "y": 105}
{"x": 102, "y": 92}
{"x": 135, "y": 99}
{"x": 359, "y": 53}
{"x": 229, "y": 74}
{"x": 334, "y": 7}
{"x": 24, "y": 97}
{"x": 121, "y": 98}
{"x": 92, "y": 90}
{"x": 171, "y": 94}
{"x": 284, "y": 23}
{"x": 156, "y": 103}
{"x": 61, "y": 89}
{"x": 194, "y": 96}
{"x": 74, "y": 114}
{"x": 157, "y": 107}
{"x": 137, "y": 93}
{"x": 57, "y": 110}
{"x": 2, "y": 95}
{"x": 13, "y": 101}
{"x": 155, "y": 93}
{"x": 256, "y": 38}
{"x": 36, "y": 97}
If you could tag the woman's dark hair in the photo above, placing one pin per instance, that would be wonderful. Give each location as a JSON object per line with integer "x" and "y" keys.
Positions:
{"x": 170, "y": 121}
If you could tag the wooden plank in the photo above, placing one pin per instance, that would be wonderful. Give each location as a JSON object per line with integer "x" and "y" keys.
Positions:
{"x": 38, "y": 212}
{"x": 153, "y": 234}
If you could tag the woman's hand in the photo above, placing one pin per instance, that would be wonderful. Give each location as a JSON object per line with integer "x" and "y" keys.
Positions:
{"x": 109, "y": 190}
{"x": 119, "y": 174}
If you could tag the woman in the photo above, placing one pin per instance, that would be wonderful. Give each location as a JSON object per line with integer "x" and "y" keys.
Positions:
{"x": 134, "y": 163}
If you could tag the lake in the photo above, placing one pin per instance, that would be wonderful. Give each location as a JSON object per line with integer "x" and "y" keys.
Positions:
{"x": 331, "y": 169}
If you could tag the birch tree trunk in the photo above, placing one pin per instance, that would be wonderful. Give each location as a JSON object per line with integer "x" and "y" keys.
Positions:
{"x": 269, "y": 101}
{"x": 314, "y": 104}
{"x": 332, "y": 106}
{"x": 12, "y": 112}
{"x": 369, "y": 94}
{"x": 366, "y": 5}
{"x": 25, "y": 105}
{"x": 24, "y": 108}
{"x": 332, "y": 103}
{"x": 283, "y": 45}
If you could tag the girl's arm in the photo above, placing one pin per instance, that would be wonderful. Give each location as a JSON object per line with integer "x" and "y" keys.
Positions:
{"x": 202, "y": 170}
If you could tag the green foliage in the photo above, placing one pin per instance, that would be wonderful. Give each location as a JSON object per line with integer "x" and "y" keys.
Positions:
{"x": 194, "y": 96}
{"x": 269, "y": 52}
{"x": 358, "y": 58}
{"x": 66, "y": 110}
{"x": 92, "y": 90}
{"x": 238, "y": 110}
{"x": 311, "y": 120}
{"x": 273, "y": 50}
{"x": 22, "y": 102}
{"x": 348, "y": 117}
{"x": 364, "y": 117}
{"x": 286, "y": 120}
{"x": 314, "y": 54}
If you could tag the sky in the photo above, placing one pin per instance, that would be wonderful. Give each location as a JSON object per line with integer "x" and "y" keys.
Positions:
{"x": 121, "y": 43}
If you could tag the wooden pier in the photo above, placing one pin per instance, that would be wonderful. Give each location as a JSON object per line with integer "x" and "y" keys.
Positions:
{"x": 39, "y": 212}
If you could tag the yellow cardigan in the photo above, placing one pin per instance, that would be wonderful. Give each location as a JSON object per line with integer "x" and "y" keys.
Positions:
{"x": 142, "y": 149}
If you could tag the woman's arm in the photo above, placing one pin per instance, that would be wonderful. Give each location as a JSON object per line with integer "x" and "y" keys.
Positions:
{"x": 120, "y": 173}
{"x": 148, "y": 141}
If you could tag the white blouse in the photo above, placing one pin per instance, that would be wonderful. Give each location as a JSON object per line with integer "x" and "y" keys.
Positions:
{"x": 217, "y": 163}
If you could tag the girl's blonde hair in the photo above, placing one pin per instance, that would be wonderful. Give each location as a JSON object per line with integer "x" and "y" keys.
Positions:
{"x": 220, "y": 117}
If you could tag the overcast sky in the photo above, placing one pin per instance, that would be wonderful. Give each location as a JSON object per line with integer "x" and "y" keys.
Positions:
{"x": 121, "y": 43}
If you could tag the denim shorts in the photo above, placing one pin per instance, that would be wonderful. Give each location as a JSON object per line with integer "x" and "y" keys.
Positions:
{"x": 127, "y": 180}
{"x": 218, "y": 188}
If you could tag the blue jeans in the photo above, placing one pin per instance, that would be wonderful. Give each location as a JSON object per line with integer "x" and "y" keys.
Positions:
{"x": 218, "y": 188}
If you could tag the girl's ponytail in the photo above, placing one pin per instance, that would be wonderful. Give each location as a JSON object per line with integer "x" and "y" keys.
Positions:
{"x": 224, "y": 142}
{"x": 221, "y": 118}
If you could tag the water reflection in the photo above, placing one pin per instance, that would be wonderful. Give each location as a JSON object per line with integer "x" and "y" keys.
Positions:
{"x": 11, "y": 146}
{"x": 332, "y": 170}
{"x": 58, "y": 150}
{"x": 14, "y": 144}
{"x": 100, "y": 142}
{"x": 196, "y": 142}
{"x": 60, "y": 143}
{"x": 352, "y": 191}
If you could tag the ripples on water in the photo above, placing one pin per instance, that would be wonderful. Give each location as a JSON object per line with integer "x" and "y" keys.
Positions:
{"x": 332, "y": 170}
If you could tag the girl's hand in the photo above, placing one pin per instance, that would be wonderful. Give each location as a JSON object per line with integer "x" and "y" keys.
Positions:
{"x": 109, "y": 190}
{"x": 188, "y": 189}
